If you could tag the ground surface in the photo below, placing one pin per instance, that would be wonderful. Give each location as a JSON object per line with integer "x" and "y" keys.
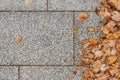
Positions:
{"x": 48, "y": 50}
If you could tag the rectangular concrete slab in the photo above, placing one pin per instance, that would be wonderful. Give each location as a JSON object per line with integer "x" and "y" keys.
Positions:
{"x": 49, "y": 73}
{"x": 8, "y": 73}
{"x": 46, "y": 38}
{"x": 21, "y": 5}
{"x": 80, "y": 5}
{"x": 92, "y": 20}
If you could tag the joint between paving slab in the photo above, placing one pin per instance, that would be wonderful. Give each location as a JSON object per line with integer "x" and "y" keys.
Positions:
{"x": 36, "y": 65}
{"x": 73, "y": 43}
{"x": 47, "y": 5}
{"x": 18, "y": 72}
{"x": 43, "y": 11}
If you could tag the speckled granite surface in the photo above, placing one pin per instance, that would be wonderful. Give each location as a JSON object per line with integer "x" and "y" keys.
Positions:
{"x": 48, "y": 50}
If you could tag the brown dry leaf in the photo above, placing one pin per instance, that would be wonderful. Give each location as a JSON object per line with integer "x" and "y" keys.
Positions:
{"x": 111, "y": 43}
{"x": 118, "y": 75}
{"x": 95, "y": 70}
{"x": 103, "y": 77}
{"x": 116, "y": 34}
{"x": 92, "y": 41}
{"x": 118, "y": 23}
{"x": 105, "y": 30}
{"x": 87, "y": 73}
{"x": 98, "y": 53}
{"x": 110, "y": 24}
{"x": 117, "y": 5}
{"x": 28, "y": 2}
{"x": 82, "y": 16}
{"x": 108, "y": 27}
{"x": 102, "y": 11}
{"x": 91, "y": 28}
{"x": 113, "y": 71}
{"x": 113, "y": 51}
{"x": 86, "y": 45}
{"x": 112, "y": 1}
{"x": 109, "y": 36}
{"x": 80, "y": 52}
{"x": 18, "y": 39}
{"x": 97, "y": 63}
{"x": 116, "y": 16}
{"x": 112, "y": 59}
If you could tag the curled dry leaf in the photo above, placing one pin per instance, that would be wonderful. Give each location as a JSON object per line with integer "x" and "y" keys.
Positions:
{"x": 103, "y": 77}
{"x": 87, "y": 73}
{"x": 116, "y": 16}
{"x": 113, "y": 71}
{"x": 112, "y": 59}
{"x": 112, "y": 1}
{"x": 117, "y": 5}
{"x": 98, "y": 53}
{"x": 111, "y": 43}
{"x": 116, "y": 34}
{"x": 92, "y": 41}
{"x": 18, "y": 39}
{"x": 110, "y": 36}
{"x": 91, "y": 28}
{"x": 97, "y": 64}
{"x": 86, "y": 45}
{"x": 82, "y": 16}
{"x": 113, "y": 51}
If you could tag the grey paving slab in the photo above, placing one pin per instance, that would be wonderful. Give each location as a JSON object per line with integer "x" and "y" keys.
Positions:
{"x": 8, "y": 73}
{"x": 84, "y": 5}
{"x": 92, "y": 20}
{"x": 49, "y": 73}
{"x": 46, "y": 38}
{"x": 20, "y": 5}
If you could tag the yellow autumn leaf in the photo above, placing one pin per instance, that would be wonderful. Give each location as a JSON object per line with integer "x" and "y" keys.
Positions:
{"x": 92, "y": 41}
{"x": 110, "y": 36}
{"x": 112, "y": 59}
{"x": 116, "y": 34}
{"x": 86, "y": 45}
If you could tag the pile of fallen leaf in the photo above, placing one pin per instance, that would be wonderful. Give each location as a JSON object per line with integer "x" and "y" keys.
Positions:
{"x": 101, "y": 56}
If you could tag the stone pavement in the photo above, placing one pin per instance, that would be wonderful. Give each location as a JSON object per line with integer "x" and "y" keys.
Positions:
{"x": 48, "y": 50}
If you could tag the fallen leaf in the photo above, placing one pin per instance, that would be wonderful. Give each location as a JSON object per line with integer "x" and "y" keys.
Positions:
{"x": 92, "y": 41}
{"x": 116, "y": 34}
{"x": 117, "y": 5}
{"x": 109, "y": 36}
{"x": 98, "y": 53}
{"x": 116, "y": 16}
{"x": 18, "y": 39}
{"x": 91, "y": 28}
{"x": 112, "y": 59}
{"x": 82, "y": 16}
{"x": 86, "y": 45}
